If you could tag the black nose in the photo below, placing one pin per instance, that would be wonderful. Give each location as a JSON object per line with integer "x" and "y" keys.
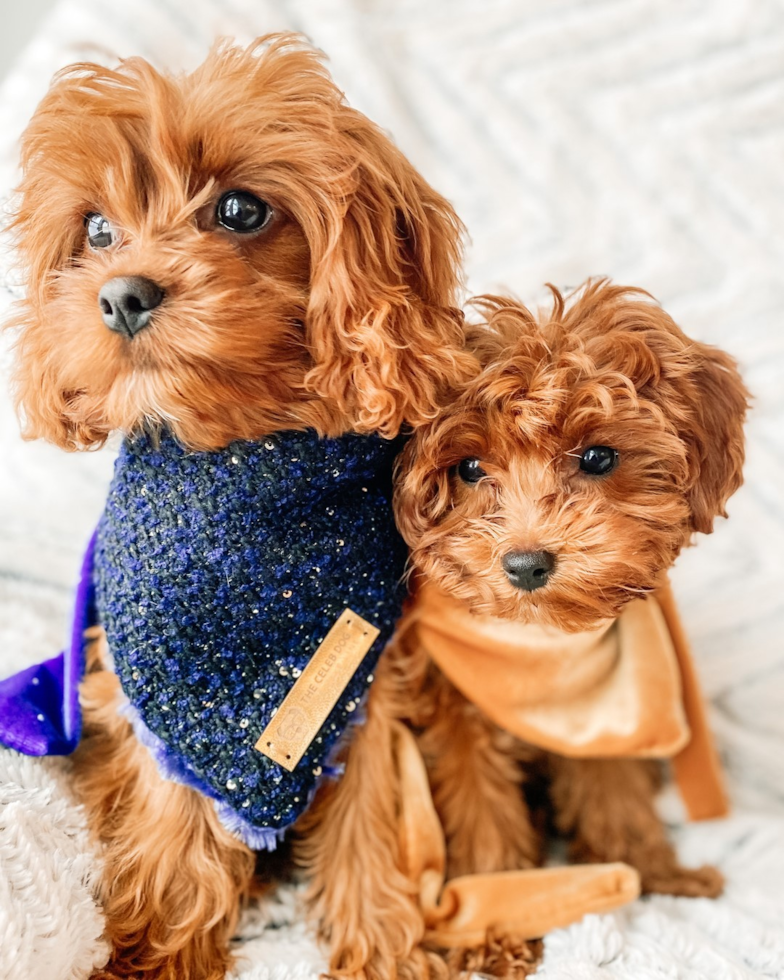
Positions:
{"x": 528, "y": 570}
{"x": 126, "y": 303}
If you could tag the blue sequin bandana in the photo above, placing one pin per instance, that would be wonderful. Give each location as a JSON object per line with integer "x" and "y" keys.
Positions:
{"x": 217, "y": 575}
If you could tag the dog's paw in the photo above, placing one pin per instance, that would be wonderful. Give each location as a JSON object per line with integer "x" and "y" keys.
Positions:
{"x": 499, "y": 956}
{"x": 704, "y": 882}
{"x": 175, "y": 968}
{"x": 420, "y": 964}
{"x": 423, "y": 965}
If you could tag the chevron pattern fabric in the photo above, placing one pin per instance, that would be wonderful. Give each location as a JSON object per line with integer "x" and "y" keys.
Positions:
{"x": 643, "y": 139}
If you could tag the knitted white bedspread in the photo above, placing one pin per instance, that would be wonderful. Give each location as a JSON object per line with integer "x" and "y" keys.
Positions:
{"x": 638, "y": 138}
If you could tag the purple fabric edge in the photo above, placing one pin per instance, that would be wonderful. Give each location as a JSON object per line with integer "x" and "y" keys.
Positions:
{"x": 39, "y": 706}
{"x": 31, "y": 710}
{"x": 84, "y": 616}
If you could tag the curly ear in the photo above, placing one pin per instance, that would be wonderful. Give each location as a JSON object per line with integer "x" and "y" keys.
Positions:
{"x": 420, "y": 495}
{"x": 716, "y": 444}
{"x": 423, "y": 492}
{"x": 385, "y": 335}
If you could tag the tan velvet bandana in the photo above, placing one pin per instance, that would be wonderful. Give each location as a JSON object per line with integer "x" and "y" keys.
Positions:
{"x": 626, "y": 689}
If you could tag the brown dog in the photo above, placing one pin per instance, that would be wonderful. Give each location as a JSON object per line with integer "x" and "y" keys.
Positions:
{"x": 223, "y": 254}
{"x": 559, "y": 485}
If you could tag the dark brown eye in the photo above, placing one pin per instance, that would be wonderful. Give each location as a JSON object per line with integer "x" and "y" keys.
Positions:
{"x": 243, "y": 212}
{"x": 599, "y": 460}
{"x": 469, "y": 470}
{"x": 99, "y": 232}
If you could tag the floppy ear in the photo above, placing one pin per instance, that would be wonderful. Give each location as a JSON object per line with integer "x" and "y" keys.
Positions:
{"x": 383, "y": 328}
{"x": 46, "y": 231}
{"x": 716, "y": 444}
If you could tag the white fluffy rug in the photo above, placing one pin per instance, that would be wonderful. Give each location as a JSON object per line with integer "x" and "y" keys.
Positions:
{"x": 639, "y": 138}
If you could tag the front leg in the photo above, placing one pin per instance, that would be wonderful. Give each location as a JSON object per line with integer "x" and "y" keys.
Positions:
{"x": 173, "y": 878}
{"x": 607, "y": 807}
{"x": 476, "y": 774}
{"x": 476, "y": 780}
{"x": 349, "y": 844}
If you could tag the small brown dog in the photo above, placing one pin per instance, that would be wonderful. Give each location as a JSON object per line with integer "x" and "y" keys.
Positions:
{"x": 221, "y": 254}
{"x": 559, "y": 485}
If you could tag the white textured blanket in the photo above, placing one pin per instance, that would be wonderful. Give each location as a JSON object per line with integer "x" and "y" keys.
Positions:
{"x": 638, "y": 138}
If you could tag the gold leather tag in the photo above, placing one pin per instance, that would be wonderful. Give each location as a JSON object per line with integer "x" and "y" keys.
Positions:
{"x": 315, "y": 693}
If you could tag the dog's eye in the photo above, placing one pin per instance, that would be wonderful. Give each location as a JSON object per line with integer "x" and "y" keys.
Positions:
{"x": 243, "y": 212}
{"x": 599, "y": 460}
{"x": 99, "y": 232}
{"x": 469, "y": 470}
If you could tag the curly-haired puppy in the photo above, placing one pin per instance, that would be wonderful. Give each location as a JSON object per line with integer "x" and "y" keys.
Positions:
{"x": 220, "y": 254}
{"x": 596, "y": 440}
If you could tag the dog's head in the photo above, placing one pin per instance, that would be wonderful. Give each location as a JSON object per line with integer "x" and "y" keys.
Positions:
{"x": 569, "y": 474}
{"x": 225, "y": 253}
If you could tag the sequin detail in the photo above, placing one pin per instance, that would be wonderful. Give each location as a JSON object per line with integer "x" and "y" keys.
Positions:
{"x": 218, "y": 574}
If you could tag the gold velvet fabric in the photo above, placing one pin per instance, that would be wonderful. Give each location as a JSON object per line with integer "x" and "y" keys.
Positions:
{"x": 628, "y": 688}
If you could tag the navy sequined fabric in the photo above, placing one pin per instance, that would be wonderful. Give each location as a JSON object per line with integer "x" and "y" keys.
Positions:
{"x": 217, "y": 575}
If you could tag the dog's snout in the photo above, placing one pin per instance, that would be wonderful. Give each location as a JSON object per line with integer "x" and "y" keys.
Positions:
{"x": 528, "y": 570}
{"x": 126, "y": 303}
